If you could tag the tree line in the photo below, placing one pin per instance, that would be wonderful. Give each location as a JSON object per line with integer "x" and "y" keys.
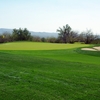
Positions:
{"x": 65, "y": 35}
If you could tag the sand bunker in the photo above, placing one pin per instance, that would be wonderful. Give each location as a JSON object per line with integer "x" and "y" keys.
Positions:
{"x": 92, "y": 49}
{"x": 97, "y": 48}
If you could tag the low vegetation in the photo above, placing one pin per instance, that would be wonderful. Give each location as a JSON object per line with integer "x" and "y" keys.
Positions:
{"x": 65, "y": 35}
{"x": 46, "y": 71}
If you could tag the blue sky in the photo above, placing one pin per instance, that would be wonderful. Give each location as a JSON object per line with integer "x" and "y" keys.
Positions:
{"x": 49, "y": 15}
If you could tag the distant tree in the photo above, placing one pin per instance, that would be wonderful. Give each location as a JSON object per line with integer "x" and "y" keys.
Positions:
{"x": 64, "y": 33}
{"x": 51, "y": 39}
{"x": 26, "y": 34}
{"x": 87, "y": 37}
{"x": 81, "y": 38}
{"x": 36, "y": 39}
{"x": 59, "y": 40}
{"x": 21, "y": 34}
{"x": 73, "y": 37}
{"x": 15, "y": 34}
{"x": 43, "y": 39}
{"x": 96, "y": 40}
{"x": 1, "y": 39}
{"x": 7, "y": 37}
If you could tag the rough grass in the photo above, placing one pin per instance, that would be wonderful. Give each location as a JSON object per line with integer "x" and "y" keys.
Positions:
{"x": 68, "y": 74}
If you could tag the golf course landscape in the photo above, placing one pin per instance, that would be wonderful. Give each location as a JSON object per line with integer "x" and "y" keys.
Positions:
{"x": 49, "y": 71}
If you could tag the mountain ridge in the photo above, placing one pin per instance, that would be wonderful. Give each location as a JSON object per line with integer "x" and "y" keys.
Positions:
{"x": 40, "y": 34}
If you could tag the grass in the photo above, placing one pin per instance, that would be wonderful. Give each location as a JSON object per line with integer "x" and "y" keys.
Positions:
{"x": 37, "y": 46}
{"x": 66, "y": 74}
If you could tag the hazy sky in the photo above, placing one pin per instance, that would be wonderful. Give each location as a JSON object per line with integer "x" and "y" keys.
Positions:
{"x": 49, "y": 15}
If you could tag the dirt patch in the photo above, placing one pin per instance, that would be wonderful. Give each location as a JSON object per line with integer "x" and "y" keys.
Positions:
{"x": 92, "y": 49}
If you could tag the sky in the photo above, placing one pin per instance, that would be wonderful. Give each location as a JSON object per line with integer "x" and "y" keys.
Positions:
{"x": 49, "y": 15}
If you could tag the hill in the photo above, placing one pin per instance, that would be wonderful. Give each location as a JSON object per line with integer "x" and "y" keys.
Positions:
{"x": 40, "y": 34}
{"x": 3, "y": 30}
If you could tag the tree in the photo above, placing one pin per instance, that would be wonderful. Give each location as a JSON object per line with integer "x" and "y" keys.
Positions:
{"x": 51, "y": 39}
{"x": 87, "y": 37}
{"x": 15, "y": 35}
{"x": 36, "y": 39}
{"x": 73, "y": 37}
{"x": 1, "y": 39}
{"x": 64, "y": 33}
{"x": 7, "y": 37}
{"x": 43, "y": 39}
{"x": 26, "y": 34}
{"x": 21, "y": 34}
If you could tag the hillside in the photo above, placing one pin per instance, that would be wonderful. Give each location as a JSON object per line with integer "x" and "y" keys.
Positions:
{"x": 40, "y": 34}
{"x": 2, "y": 30}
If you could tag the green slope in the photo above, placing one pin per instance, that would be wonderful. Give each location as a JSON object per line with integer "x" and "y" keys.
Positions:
{"x": 69, "y": 74}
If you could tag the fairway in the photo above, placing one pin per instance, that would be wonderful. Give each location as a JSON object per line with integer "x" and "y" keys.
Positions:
{"x": 46, "y": 71}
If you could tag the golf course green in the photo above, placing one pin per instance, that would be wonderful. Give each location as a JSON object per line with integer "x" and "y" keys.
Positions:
{"x": 37, "y": 46}
{"x": 48, "y": 71}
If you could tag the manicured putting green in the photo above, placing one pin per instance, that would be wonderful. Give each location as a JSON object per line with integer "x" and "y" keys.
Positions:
{"x": 38, "y": 46}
